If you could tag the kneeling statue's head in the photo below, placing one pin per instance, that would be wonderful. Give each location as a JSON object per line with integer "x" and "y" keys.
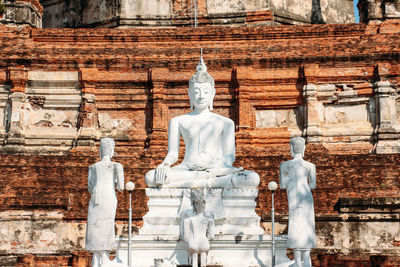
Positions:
{"x": 198, "y": 201}
{"x": 201, "y": 88}
{"x": 297, "y": 146}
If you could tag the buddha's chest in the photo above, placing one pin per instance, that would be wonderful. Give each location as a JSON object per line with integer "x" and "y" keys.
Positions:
{"x": 201, "y": 128}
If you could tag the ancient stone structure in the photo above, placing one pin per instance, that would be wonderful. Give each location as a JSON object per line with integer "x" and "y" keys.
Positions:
{"x": 161, "y": 13}
{"x": 21, "y": 13}
{"x": 371, "y": 10}
{"x": 61, "y": 90}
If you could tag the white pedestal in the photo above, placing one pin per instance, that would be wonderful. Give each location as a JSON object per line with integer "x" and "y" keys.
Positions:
{"x": 234, "y": 211}
{"x": 239, "y": 239}
{"x": 226, "y": 250}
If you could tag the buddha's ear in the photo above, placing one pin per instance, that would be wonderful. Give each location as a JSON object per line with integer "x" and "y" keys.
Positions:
{"x": 212, "y": 100}
{"x": 191, "y": 104}
{"x": 190, "y": 99}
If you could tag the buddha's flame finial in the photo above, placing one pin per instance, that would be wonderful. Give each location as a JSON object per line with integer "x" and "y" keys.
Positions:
{"x": 201, "y": 66}
{"x": 201, "y": 75}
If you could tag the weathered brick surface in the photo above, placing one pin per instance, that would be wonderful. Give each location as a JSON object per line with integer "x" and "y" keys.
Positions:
{"x": 141, "y": 76}
{"x": 34, "y": 3}
{"x": 22, "y": 13}
{"x": 61, "y": 181}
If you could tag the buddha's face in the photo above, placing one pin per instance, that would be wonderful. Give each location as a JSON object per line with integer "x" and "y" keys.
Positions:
{"x": 201, "y": 95}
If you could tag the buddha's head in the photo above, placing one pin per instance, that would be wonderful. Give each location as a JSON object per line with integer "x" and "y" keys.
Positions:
{"x": 201, "y": 88}
{"x": 297, "y": 146}
{"x": 106, "y": 147}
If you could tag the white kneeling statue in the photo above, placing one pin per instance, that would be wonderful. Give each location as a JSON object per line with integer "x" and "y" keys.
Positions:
{"x": 197, "y": 228}
{"x": 103, "y": 177}
{"x": 298, "y": 177}
{"x": 209, "y": 145}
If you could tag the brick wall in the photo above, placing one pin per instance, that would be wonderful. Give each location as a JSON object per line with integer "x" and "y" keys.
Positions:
{"x": 60, "y": 182}
{"x": 131, "y": 82}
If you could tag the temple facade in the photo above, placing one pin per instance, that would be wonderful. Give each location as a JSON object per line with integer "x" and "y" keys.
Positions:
{"x": 335, "y": 84}
{"x": 181, "y": 13}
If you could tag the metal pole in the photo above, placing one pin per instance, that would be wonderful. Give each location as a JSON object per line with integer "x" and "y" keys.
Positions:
{"x": 191, "y": 12}
{"x": 195, "y": 13}
{"x": 130, "y": 231}
{"x": 273, "y": 229}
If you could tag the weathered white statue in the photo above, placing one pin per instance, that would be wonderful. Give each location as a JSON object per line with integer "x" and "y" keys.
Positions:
{"x": 197, "y": 229}
{"x": 298, "y": 177}
{"x": 229, "y": 194}
{"x": 104, "y": 177}
{"x": 209, "y": 145}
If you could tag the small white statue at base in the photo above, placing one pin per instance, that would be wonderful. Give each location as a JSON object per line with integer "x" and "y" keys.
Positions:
{"x": 197, "y": 229}
{"x": 298, "y": 177}
{"x": 103, "y": 177}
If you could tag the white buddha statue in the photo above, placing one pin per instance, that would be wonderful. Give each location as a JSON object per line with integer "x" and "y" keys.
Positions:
{"x": 298, "y": 177}
{"x": 104, "y": 177}
{"x": 209, "y": 145}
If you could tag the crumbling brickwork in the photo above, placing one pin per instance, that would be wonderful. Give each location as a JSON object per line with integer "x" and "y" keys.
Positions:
{"x": 178, "y": 13}
{"x": 336, "y": 85}
{"x": 25, "y": 13}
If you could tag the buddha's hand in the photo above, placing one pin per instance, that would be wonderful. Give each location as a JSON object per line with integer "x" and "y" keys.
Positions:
{"x": 162, "y": 171}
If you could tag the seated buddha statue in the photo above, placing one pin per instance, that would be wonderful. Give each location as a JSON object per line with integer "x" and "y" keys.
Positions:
{"x": 209, "y": 145}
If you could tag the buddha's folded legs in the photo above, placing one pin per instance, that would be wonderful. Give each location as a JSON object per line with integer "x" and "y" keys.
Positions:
{"x": 209, "y": 182}
{"x": 183, "y": 178}
{"x": 245, "y": 179}
{"x": 175, "y": 176}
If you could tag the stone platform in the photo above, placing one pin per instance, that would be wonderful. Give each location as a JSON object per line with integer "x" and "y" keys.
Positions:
{"x": 233, "y": 209}
{"x": 239, "y": 239}
{"x": 226, "y": 250}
